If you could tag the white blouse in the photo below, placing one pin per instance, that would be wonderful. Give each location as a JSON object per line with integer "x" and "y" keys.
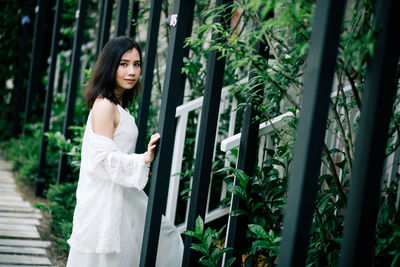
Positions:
{"x": 107, "y": 165}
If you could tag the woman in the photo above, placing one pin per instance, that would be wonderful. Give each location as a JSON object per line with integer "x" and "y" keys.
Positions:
{"x": 111, "y": 206}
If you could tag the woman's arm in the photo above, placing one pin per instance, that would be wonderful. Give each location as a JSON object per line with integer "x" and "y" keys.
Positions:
{"x": 105, "y": 117}
{"x": 106, "y": 160}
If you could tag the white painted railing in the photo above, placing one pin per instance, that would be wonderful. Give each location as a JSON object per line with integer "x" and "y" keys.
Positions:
{"x": 228, "y": 103}
{"x": 266, "y": 130}
{"x": 227, "y": 144}
{"x": 332, "y": 139}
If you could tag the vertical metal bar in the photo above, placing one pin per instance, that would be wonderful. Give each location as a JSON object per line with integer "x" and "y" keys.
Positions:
{"x": 25, "y": 20}
{"x": 135, "y": 13}
{"x": 149, "y": 59}
{"x": 122, "y": 16}
{"x": 236, "y": 235}
{"x": 303, "y": 182}
{"x": 49, "y": 95}
{"x": 205, "y": 146}
{"x": 73, "y": 80}
{"x": 37, "y": 59}
{"x": 378, "y": 97}
{"x": 105, "y": 24}
{"x": 172, "y": 94}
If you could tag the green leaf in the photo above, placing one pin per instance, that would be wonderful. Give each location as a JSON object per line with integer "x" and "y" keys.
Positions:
{"x": 200, "y": 248}
{"x": 335, "y": 150}
{"x": 238, "y": 212}
{"x": 191, "y": 233}
{"x": 274, "y": 162}
{"x": 207, "y": 241}
{"x": 341, "y": 164}
{"x": 323, "y": 203}
{"x": 239, "y": 191}
{"x": 199, "y": 226}
{"x": 258, "y": 231}
{"x": 395, "y": 260}
{"x": 229, "y": 262}
{"x": 257, "y": 206}
{"x": 207, "y": 263}
{"x": 215, "y": 254}
{"x": 224, "y": 250}
{"x": 259, "y": 244}
{"x": 242, "y": 177}
{"x": 325, "y": 177}
{"x": 218, "y": 234}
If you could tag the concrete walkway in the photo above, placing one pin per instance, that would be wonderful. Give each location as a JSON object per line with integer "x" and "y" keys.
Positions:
{"x": 20, "y": 243}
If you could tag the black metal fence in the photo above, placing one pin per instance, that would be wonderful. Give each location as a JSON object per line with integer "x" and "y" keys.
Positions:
{"x": 372, "y": 137}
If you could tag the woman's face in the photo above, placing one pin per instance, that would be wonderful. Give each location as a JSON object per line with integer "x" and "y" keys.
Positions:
{"x": 128, "y": 71}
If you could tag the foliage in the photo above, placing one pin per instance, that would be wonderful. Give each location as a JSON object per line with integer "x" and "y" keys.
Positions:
{"x": 387, "y": 247}
{"x": 23, "y": 156}
{"x": 62, "y": 199}
{"x": 10, "y": 34}
{"x": 211, "y": 244}
{"x": 71, "y": 147}
{"x": 276, "y": 85}
{"x": 280, "y": 78}
{"x": 263, "y": 196}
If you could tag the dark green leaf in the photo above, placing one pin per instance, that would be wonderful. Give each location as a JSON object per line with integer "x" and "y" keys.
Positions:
{"x": 258, "y": 231}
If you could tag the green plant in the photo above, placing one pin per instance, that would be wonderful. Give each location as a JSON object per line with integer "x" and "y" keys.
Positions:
{"x": 71, "y": 147}
{"x": 263, "y": 196}
{"x": 387, "y": 247}
{"x": 280, "y": 77}
{"x": 211, "y": 244}
{"x": 23, "y": 153}
{"x": 62, "y": 201}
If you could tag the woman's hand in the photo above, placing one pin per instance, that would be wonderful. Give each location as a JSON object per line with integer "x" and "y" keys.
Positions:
{"x": 151, "y": 148}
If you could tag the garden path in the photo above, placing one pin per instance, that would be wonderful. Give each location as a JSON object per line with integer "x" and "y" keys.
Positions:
{"x": 20, "y": 243}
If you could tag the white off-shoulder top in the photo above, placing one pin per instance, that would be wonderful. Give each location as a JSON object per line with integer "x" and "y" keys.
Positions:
{"x": 107, "y": 166}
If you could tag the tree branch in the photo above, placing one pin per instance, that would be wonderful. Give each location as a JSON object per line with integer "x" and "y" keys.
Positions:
{"x": 335, "y": 176}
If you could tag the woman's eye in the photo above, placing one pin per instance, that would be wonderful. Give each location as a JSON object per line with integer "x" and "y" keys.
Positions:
{"x": 123, "y": 64}
{"x": 137, "y": 64}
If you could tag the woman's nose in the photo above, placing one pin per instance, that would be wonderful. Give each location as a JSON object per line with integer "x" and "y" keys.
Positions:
{"x": 131, "y": 70}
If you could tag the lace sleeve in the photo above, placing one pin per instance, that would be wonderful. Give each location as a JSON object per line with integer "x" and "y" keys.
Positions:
{"x": 106, "y": 161}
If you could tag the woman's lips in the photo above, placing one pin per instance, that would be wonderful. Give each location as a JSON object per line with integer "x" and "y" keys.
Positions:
{"x": 130, "y": 81}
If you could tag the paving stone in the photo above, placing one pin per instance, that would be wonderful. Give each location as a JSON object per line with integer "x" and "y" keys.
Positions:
{"x": 27, "y": 215}
{"x": 22, "y": 259}
{"x": 20, "y": 243}
{"x": 19, "y": 221}
{"x": 24, "y": 243}
{"x": 15, "y": 198}
{"x": 18, "y": 227}
{"x": 19, "y": 234}
{"x": 22, "y": 250}
{"x": 18, "y": 209}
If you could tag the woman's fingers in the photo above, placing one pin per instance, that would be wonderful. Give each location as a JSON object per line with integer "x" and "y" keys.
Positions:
{"x": 151, "y": 147}
{"x": 154, "y": 138}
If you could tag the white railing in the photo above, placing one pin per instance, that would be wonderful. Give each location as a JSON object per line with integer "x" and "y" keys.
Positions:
{"x": 332, "y": 139}
{"x": 266, "y": 129}
{"x": 228, "y": 103}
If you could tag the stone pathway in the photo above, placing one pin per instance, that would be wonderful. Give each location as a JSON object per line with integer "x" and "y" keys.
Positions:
{"x": 20, "y": 243}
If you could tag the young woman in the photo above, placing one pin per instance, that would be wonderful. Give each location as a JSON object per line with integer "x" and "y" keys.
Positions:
{"x": 111, "y": 205}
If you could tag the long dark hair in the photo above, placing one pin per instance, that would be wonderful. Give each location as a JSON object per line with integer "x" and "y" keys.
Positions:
{"x": 102, "y": 81}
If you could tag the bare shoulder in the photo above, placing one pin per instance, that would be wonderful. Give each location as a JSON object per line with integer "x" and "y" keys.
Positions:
{"x": 104, "y": 116}
{"x": 103, "y": 105}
